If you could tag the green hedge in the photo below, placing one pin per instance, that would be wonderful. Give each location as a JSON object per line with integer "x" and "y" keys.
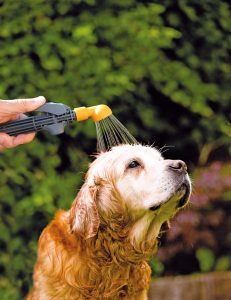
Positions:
{"x": 162, "y": 67}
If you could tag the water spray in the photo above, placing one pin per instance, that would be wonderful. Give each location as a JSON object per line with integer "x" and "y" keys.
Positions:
{"x": 53, "y": 117}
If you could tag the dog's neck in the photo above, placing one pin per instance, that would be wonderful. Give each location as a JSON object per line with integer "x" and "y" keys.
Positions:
{"x": 113, "y": 244}
{"x": 125, "y": 235}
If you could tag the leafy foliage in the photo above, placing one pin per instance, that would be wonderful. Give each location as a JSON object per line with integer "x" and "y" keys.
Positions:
{"x": 163, "y": 68}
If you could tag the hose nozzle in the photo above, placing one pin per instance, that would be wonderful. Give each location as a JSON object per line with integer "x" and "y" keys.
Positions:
{"x": 54, "y": 117}
{"x": 97, "y": 113}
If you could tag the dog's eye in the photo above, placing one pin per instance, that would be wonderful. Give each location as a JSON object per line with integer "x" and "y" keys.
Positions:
{"x": 133, "y": 164}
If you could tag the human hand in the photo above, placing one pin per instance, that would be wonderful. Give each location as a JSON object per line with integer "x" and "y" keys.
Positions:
{"x": 11, "y": 110}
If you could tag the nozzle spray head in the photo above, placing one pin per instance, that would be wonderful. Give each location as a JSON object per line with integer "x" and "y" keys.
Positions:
{"x": 101, "y": 112}
{"x": 97, "y": 113}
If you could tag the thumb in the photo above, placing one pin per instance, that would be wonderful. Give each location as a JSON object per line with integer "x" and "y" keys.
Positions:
{"x": 23, "y": 105}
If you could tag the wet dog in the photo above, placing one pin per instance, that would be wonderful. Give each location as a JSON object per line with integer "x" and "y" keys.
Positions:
{"x": 100, "y": 247}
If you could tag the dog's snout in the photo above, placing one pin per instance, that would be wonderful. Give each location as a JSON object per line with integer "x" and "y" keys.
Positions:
{"x": 177, "y": 166}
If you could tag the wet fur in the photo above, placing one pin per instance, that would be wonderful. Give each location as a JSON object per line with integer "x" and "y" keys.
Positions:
{"x": 101, "y": 266}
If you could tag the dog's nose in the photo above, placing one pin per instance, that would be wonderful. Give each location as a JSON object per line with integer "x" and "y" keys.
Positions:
{"x": 177, "y": 165}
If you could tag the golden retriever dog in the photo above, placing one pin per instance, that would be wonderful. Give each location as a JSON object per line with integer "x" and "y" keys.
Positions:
{"x": 100, "y": 247}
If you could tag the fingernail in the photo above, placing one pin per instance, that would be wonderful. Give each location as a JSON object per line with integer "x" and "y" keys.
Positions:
{"x": 40, "y": 99}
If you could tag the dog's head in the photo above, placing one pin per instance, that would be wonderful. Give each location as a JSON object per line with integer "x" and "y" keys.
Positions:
{"x": 130, "y": 184}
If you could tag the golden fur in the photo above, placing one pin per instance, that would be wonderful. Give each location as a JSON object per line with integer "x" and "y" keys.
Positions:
{"x": 94, "y": 250}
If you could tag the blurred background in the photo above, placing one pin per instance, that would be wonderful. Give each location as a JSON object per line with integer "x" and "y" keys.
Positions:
{"x": 164, "y": 69}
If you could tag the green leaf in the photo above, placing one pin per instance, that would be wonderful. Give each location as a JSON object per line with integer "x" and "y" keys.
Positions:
{"x": 223, "y": 263}
{"x": 206, "y": 259}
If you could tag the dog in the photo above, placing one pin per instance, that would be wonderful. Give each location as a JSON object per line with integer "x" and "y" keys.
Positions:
{"x": 100, "y": 247}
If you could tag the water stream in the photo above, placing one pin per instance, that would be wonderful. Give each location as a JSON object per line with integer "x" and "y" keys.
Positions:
{"x": 111, "y": 132}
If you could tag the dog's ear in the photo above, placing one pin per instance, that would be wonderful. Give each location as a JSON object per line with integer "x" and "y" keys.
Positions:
{"x": 84, "y": 218}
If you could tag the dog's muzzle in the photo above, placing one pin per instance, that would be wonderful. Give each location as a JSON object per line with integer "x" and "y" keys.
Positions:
{"x": 183, "y": 192}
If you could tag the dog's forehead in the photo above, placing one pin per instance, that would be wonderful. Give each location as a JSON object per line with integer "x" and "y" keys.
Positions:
{"x": 120, "y": 154}
{"x": 135, "y": 151}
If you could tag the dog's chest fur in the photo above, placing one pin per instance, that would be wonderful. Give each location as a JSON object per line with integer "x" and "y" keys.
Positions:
{"x": 104, "y": 267}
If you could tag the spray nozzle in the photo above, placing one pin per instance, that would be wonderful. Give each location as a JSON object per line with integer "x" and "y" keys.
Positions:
{"x": 54, "y": 117}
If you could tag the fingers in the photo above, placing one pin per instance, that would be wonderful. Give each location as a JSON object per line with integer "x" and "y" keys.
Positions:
{"x": 21, "y": 105}
{"x": 7, "y": 141}
{"x": 24, "y": 138}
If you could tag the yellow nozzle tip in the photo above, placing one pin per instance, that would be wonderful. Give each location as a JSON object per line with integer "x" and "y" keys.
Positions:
{"x": 97, "y": 113}
{"x": 101, "y": 112}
